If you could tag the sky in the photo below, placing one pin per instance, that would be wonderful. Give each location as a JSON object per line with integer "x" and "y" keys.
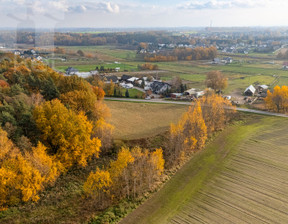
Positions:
{"x": 142, "y": 13}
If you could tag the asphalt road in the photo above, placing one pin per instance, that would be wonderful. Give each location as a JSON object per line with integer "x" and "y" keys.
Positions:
{"x": 188, "y": 103}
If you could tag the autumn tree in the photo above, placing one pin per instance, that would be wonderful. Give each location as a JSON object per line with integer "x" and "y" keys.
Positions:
{"x": 103, "y": 131}
{"x": 131, "y": 174}
{"x": 79, "y": 100}
{"x": 216, "y": 80}
{"x": 19, "y": 180}
{"x": 176, "y": 84}
{"x": 216, "y": 111}
{"x": 277, "y": 100}
{"x": 67, "y": 135}
{"x": 98, "y": 186}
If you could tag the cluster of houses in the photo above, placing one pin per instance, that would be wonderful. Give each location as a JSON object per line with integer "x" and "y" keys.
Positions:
{"x": 32, "y": 54}
{"x": 126, "y": 81}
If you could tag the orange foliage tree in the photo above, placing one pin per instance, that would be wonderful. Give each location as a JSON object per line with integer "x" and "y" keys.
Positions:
{"x": 67, "y": 135}
{"x": 132, "y": 173}
{"x": 278, "y": 100}
{"x": 208, "y": 114}
{"x": 22, "y": 176}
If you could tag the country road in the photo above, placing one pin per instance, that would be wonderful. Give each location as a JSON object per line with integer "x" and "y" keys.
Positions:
{"x": 188, "y": 103}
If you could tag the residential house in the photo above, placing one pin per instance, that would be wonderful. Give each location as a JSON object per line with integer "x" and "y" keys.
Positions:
{"x": 250, "y": 91}
{"x": 112, "y": 78}
{"x": 158, "y": 87}
{"x": 126, "y": 85}
{"x": 71, "y": 71}
{"x": 124, "y": 78}
{"x": 227, "y": 60}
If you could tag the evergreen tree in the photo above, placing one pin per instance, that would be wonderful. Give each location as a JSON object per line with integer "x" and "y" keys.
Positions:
{"x": 127, "y": 93}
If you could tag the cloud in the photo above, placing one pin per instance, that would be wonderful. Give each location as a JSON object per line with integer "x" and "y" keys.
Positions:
{"x": 91, "y": 6}
{"x": 77, "y": 9}
{"x": 224, "y": 4}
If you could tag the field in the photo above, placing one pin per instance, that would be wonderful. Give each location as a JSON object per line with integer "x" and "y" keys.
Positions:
{"x": 141, "y": 120}
{"x": 240, "y": 177}
{"x": 254, "y": 69}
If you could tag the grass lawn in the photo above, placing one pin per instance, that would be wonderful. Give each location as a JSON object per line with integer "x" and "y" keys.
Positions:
{"x": 133, "y": 93}
{"x": 240, "y": 177}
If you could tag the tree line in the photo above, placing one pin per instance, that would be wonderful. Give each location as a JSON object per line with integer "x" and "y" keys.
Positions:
{"x": 49, "y": 123}
{"x": 198, "y": 53}
{"x": 207, "y": 115}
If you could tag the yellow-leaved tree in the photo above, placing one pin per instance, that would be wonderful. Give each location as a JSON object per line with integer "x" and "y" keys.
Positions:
{"x": 66, "y": 135}
{"x": 98, "y": 185}
{"x": 19, "y": 179}
{"x": 278, "y": 100}
{"x": 216, "y": 111}
{"x": 132, "y": 173}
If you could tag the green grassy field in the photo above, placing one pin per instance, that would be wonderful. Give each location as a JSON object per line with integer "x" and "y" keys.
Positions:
{"x": 240, "y": 177}
{"x": 86, "y": 67}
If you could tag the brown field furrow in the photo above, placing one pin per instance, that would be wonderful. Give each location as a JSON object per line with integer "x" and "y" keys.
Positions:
{"x": 192, "y": 219}
{"x": 253, "y": 172}
{"x": 217, "y": 214}
{"x": 234, "y": 205}
{"x": 207, "y": 217}
{"x": 257, "y": 186}
{"x": 268, "y": 204}
{"x": 270, "y": 179}
{"x": 265, "y": 166}
{"x": 260, "y": 155}
{"x": 233, "y": 214}
{"x": 281, "y": 161}
{"x": 271, "y": 186}
{"x": 266, "y": 149}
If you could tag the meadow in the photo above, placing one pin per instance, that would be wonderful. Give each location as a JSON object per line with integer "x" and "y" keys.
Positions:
{"x": 142, "y": 120}
{"x": 240, "y": 177}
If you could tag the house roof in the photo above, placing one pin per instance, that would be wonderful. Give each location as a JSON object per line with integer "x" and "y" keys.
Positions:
{"x": 113, "y": 78}
{"x": 250, "y": 88}
{"x": 132, "y": 79}
{"x": 125, "y": 77}
{"x": 71, "y": 70}
{"x": 190, "y": 91}
{"x": 263, "y": 86}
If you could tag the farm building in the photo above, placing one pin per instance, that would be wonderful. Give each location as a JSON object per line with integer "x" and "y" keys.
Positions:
{"x": 250, "y": 91}
{"x": 71, "y": 71}
{"x": 194, "y": 93}
{"x": 190, "y": 92}
{"x": 262, "y": 88}
{"x": 227, "y": 60}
